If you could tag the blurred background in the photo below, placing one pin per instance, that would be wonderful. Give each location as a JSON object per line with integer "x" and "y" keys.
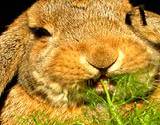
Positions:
{"x": 10, "y": 9}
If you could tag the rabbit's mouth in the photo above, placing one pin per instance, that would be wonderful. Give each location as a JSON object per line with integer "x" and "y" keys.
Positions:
{"x": 97, "y": 84}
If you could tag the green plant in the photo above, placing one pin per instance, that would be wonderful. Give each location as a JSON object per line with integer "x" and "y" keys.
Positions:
{"x": 107, "y": 109}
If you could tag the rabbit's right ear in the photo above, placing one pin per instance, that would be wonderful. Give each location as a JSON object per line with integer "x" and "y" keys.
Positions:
{"x": 12, "y": 46}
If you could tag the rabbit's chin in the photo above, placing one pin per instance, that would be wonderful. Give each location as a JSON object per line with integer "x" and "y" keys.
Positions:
{"x": 59, "y": 94}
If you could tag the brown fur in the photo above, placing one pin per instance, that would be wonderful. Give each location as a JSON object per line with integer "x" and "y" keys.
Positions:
{"x": 85, "y": 37}
{"x": 151, "y": 31}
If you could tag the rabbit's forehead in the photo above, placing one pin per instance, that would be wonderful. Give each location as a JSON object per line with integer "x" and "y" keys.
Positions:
{"x": 74, "y": 12}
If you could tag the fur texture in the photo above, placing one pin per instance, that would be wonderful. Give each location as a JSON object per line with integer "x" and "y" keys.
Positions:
{"x": 57, "y": 45}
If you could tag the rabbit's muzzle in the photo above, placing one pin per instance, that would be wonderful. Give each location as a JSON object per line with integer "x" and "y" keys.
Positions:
{"x": 60, "y": 73}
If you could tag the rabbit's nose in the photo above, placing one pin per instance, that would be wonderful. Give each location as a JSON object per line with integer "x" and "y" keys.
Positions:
{"x": 102, "y": 56}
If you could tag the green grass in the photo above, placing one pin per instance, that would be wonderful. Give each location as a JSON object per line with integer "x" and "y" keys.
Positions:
{"x": 108, "y": 109}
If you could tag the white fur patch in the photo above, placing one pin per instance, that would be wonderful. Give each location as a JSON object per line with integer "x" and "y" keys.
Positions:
{"x": 87, "y": 66}
{"x": 118, "y": 62}
{"x": 39, "y": 77}
{"x": 55, "y": 86}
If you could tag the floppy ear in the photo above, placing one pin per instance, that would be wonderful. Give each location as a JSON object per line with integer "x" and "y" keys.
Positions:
{"x": 146, "y": 24}
{"x": 12, "y": 46}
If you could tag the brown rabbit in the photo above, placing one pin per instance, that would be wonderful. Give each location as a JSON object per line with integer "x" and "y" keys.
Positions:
{"x": 57, "y": 46}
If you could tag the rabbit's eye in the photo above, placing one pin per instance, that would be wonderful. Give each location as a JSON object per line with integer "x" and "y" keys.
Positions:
{"x": 40, "y": 32}
{"x": 128, "y": 18}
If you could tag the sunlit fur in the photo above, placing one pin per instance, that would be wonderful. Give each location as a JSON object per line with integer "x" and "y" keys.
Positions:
{"x": 86, "y": 35}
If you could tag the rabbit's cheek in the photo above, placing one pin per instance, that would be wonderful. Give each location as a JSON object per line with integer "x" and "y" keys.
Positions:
{"x": 133, "y": 57}
{"x": 140, "y": 57}
{"x": 69, "y": 66}
{"x": 41, "y": 55}
{"x": 36, "y": 50}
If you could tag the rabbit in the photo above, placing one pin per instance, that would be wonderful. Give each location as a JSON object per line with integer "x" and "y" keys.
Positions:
{"x": 57, "y": 46}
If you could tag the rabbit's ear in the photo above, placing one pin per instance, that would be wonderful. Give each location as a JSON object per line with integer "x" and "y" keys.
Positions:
{"x": 12, "y": 46}
{"x": 145, "y": 24}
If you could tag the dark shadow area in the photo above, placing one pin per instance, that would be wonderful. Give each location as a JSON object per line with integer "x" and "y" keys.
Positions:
{"x": 6, "y": 91}
{"x": 151, "y": 5}
{"x": 10, "y": 9}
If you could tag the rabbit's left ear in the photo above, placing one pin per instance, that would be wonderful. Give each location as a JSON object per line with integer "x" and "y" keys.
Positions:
{"x": 145, "y": 24}
{"x": 12, "y": 47}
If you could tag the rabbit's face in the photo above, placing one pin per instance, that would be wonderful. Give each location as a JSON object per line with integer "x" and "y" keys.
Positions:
{"x": 71, "y": 45}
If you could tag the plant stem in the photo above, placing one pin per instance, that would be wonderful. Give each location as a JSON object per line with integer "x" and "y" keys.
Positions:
{"x": 111, "y": 105}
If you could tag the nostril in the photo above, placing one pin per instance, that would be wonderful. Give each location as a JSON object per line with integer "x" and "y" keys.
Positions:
{"x": 103, "y": 70}
{"x": 102, "y": 57}
{"x": 102, "y": 61}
